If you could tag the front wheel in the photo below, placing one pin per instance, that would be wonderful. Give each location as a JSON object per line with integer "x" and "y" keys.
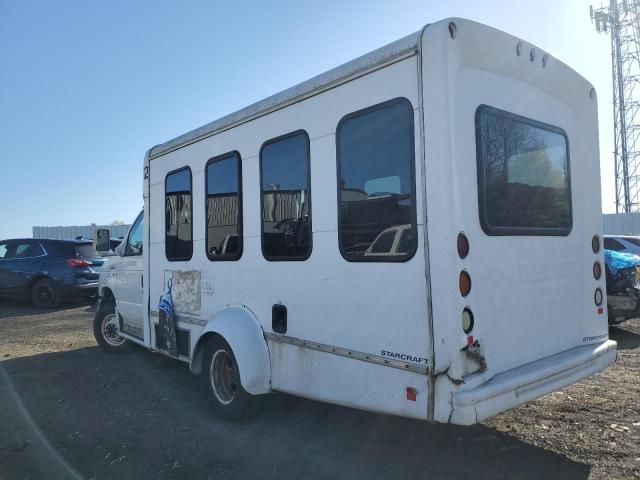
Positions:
{"x": 106, "y": 327}
{"x": 222, "y": 380}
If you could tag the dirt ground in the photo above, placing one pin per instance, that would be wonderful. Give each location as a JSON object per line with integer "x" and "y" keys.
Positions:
{"x": 68, "y": 410}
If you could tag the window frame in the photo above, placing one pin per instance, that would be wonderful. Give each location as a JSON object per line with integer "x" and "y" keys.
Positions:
{"x": 288, "y": 258}
{"x": 177, "y": 259}
{"x": 493, "y": 230}
{"x": 219, "y": 158}
{"x": 413, "y": 194}
{"x": 135, "y": 223}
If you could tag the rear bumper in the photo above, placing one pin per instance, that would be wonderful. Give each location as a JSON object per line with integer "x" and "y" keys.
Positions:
{"x": 623, "y": 307}
{"x": 83, "y": 290}
{"x": 517, "y": 386}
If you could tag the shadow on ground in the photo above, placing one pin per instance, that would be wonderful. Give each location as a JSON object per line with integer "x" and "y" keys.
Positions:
{"x": 10, "y": 308}
{"x": 142, "y": 415}
{"x": 627, "y": 340}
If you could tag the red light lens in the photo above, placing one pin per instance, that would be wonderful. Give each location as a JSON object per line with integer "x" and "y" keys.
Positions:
{"x": 463, "y": 245}
{"x": 597, "y": 270}
{"x": 464, "y": 283}
{"x": 76, "y": 262}
{"x": 412, "y": 394}
{"x": 595, "y": 244}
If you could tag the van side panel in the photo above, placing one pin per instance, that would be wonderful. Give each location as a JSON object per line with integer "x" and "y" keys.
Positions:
{"x": 371, "y": 308}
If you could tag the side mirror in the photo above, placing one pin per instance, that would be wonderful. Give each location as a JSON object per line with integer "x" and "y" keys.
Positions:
{"x": 103, "y": 238}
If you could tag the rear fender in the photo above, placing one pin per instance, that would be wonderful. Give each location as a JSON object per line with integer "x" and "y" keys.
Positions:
{"x": 244, "y": 334}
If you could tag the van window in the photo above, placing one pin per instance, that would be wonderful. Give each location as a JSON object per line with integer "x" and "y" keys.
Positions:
{"x": 523, "y": 175}
{"x": 286, "y": 197}
{"x": 224, "y": 207}
{"x": 178, "y": 215}
{"x": 376, "y": 183}
{"x": 134, "y": 241}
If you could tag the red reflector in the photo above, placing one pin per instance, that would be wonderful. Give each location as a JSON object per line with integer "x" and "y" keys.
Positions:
{"x": 412, "y": 394}
{"x": 76, "y": 262}
{"x": 469, "y": 339}
{"x": 600, "y": 310}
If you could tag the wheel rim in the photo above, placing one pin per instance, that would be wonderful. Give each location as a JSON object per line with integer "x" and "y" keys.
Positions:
{"x": 110, "y": 329}
{"x": 223, "y": 378}
{"x": 44, "y": 294}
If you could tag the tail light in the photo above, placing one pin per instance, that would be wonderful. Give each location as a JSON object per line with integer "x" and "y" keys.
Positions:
{"x": 595, "y": 244}
{"x": 597, "y": 270}
{"x": 76, "y": 262}
{"x": 464, "y": 283}
{"x": 463, "y": 245}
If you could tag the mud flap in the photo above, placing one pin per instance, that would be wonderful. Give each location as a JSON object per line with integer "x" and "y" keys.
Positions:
{"x": 167, "y": 325}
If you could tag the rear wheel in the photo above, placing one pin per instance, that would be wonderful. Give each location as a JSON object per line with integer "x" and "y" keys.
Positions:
{"x": 106, "y": 327}
{"x": 44, "y": 294}
{"x": 222, "y": 380}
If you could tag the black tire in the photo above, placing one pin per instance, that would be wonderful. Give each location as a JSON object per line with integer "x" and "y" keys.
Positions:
{"x": 105, "y": 329}
{"x": 44, "y": 294}
{"x": 221, "y": 378}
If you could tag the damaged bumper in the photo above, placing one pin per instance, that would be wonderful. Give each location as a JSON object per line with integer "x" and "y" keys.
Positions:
{"x": 519, "y": 385}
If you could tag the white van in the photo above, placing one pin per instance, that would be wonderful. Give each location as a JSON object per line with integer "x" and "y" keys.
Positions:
{"x": 416, "y": 232}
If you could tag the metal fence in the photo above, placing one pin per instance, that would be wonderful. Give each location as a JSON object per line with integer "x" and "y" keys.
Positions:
{"x": 85, "y": 231}
{"x": 622, "y": 223}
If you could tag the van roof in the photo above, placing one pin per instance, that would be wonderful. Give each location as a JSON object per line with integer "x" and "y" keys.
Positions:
{"x": 404, "y": 47}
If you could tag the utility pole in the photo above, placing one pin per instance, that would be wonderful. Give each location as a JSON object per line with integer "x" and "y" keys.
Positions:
{"x": 621, "y": 19}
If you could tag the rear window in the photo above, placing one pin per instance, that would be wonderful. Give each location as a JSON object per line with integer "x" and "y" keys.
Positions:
{"x": 86, "y": 251}
{"x": 633, "y": 240}
{"x": 524, "y": 183}
{"x": 611, "y": 244}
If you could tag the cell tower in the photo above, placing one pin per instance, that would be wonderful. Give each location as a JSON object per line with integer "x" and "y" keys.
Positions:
{"x": 622, "y": 20}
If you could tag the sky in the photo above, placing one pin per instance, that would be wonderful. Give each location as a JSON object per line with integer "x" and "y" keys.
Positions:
{"x": 87, "y": 87}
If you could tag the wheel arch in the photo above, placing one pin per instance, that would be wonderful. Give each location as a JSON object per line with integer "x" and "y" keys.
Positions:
{"x": 106, "y": 296}
{"x": 38, "y": 277}
{"x": 242, "y": 331}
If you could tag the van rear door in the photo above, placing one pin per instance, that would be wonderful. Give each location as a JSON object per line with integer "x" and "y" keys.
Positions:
{"x": 514, "y": 167}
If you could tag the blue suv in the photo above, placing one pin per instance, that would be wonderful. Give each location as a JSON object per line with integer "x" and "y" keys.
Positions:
{"x": 46, "y": 272}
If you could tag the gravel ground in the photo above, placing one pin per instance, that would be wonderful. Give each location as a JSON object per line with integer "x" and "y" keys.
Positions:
{"x": 71, "y": 411}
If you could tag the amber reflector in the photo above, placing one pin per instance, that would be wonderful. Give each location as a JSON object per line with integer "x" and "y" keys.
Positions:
{"x": 463, "y": 245}
{"x": 464, "y": 282}
{"x": 597, "y": 270}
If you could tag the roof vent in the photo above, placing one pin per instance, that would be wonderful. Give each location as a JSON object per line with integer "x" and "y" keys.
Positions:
{"x": 452, "y": 29}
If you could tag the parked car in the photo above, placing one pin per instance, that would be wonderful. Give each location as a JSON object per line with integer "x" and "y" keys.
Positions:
{"x": 623, "y": 285}
{"x": 622, "y": 243}
{"x": 46, "y": 272}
